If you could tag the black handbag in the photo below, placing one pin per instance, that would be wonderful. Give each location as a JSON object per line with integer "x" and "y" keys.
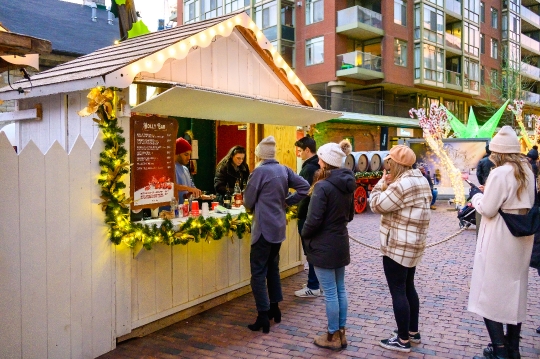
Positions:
{"x": 521, "y": 225}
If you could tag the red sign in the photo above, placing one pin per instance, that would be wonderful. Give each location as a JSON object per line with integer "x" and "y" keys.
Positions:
{"x": 152, "y": 156}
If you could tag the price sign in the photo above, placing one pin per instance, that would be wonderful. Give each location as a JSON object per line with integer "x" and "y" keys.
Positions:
{"x": 153, "y": 142}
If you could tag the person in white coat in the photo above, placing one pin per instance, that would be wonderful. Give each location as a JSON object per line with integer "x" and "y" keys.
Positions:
{"x": 501, "y": 263}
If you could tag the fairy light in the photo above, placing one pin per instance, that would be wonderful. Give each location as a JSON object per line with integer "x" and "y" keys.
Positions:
{"x": 517, "y": 110}
{"x": 221, "y": 28}
{"x": 160, "y": 57}
{"x": 172, "y": 51}
{"x": 435, "y": 127}
{"x": 202, "y": 36}
{"x": 136, "y": 69}
{"x": 230, "y": 24}
{"x": 212, "y": 32}
{"x": 148, "y": 64}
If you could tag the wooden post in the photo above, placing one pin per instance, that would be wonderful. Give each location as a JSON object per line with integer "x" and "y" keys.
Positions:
{"x": 126, "y": 17}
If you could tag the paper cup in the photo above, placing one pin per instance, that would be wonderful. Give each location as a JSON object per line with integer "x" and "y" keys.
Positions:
{"x": 214, "y": 205}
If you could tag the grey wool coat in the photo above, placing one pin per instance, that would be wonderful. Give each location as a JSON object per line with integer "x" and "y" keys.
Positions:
{"x": 501, "y": 261}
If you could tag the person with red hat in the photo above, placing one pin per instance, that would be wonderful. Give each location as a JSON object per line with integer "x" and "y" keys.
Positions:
{"x": 184, "y": 182}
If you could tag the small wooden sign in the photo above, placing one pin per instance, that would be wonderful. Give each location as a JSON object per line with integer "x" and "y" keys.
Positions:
{"x": 153, "y": 143}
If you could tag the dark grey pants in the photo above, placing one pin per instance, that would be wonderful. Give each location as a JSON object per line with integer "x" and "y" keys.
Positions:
{"x": 265, "y": 281}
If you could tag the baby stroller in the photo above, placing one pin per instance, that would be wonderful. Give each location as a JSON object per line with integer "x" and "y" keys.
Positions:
{"x": 467, "y": 214}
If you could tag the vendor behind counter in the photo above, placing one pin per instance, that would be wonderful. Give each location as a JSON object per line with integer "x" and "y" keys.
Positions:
{"x": 231, "y": 169}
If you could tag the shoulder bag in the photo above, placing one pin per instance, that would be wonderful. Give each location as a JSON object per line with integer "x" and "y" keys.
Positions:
{"x": 521, "y": 225}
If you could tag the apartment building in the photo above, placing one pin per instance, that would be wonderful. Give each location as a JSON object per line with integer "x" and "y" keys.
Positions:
{"x": 383, "y": 57}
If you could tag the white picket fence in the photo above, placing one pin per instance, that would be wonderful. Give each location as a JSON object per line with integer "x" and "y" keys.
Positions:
{"x": 56, "y": 263}
{"x": 65, "y": 290}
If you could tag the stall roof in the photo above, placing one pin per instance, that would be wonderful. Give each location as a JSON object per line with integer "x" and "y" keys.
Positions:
{"x": 192, "y": 101}
{"x": 349, "y": 117}
{"x": 117, "y": 66}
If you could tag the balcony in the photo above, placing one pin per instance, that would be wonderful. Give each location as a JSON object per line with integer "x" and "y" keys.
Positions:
{"x": 531, "y": 98}
{"x": 530, "y": 17}
{"x": 453, "y": 42}
{"x": 530, "y": 71}
{"x": 530, "y": 44}
{"x": 359, "y": 65}
{"x": 453, "y": 6}
{"x": 453, "y": 80}
{"x": 359, "y": 23}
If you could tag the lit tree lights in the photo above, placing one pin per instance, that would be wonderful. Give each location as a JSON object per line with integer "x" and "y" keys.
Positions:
{"x": 517, "y": 110}
{"x": 435, "y": 127}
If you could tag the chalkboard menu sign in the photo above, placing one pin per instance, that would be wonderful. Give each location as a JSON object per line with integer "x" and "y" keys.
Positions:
{"x": 153, "y": 142}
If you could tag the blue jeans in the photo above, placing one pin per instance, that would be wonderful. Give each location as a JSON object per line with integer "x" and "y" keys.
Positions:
{"x": 434, "y": 194}
{"x": 312, "y": 281}
{"x": 333, "y": 284}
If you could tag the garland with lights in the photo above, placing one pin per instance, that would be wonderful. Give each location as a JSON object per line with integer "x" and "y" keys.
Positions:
{"x": 114, "y": 166}
{"x": 368, "y": 175}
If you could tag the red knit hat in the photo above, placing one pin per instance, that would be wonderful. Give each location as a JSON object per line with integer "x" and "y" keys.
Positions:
{"x": 182, "y": 146}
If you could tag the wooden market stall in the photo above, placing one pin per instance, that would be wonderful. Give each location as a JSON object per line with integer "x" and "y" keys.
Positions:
{"x": 66, "y": 290}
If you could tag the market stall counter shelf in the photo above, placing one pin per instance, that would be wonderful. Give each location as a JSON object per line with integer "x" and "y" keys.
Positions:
{"x": 222, "y": 213}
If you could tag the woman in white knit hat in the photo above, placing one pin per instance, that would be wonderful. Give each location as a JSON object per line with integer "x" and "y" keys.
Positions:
{"x": 327, "y": 240}
{"x": 501, "y": 263}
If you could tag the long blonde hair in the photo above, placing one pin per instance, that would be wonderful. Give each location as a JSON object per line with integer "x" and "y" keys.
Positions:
{"x": 516, "y": 160}
{"x": 320, "y": 175}
{"x": 396, "y": 171}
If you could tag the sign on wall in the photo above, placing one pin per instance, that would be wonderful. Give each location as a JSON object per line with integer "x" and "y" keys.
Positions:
{"x": 153, "y": 141}
{"x": 405, "y": 132}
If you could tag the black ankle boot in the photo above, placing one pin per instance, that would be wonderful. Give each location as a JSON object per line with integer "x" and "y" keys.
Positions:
{"x": 261, "y": 322}
{"x": 512, "y": 339}
{"x": 274, "y": 313}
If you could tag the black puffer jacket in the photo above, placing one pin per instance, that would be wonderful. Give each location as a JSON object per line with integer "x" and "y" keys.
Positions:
{"x": 228, "y": 175}
{"x": 325, "y": 230}
{"x": 483, "y": 168}
{"x": 309, "y": 167}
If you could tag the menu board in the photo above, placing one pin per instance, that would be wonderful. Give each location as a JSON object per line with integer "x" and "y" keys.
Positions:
{"x": 153, "y": 143}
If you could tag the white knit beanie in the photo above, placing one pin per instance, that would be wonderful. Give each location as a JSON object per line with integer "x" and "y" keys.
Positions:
{"x": 331, "y": 153}
{"x": 505, "y": 141}
{"x": 266, "y": 149}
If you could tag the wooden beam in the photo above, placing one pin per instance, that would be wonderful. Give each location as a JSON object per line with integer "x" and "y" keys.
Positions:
{"x": 17, "y": 44}
{"x": 32, "y": 114}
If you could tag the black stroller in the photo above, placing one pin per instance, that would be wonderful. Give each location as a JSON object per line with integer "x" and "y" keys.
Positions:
{"x": 467, "y": 214}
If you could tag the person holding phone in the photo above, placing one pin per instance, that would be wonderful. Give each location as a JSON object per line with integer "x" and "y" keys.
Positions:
{"x": 403, "y": 197}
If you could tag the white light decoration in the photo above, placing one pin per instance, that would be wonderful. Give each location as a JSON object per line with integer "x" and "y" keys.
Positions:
{"x": 238, "y": 20}
{"x": 135, "y": 69}
{"x": 160, "y": 57}
{"x": 202, "y": 36}
{"x": 221, "y": 28}
{"x": 192, "y": 42}
{"x": 251, "y": 25}
{"x": 259, "y": 35}
{"x": 172, "y": 51}
{"x": 230, "y": 24}
{"x": 182, "y": 46}
{"x": 212, "y": 32}
{"x": 148, "y": 64}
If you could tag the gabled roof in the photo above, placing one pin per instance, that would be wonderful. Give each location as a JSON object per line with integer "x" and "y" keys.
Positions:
{"x": 118, "y": 65}
{"x": 66, "y": 25}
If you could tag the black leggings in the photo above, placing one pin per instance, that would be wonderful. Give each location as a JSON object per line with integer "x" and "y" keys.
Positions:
{"x": 404, "y": 297}
{"x": 496, "y": 334}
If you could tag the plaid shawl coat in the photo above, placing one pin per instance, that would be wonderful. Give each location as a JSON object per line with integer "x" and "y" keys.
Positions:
{"x": 404, "y": 206}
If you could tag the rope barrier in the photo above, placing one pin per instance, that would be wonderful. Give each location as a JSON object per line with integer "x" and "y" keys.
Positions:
{"x": 427, "y": 246}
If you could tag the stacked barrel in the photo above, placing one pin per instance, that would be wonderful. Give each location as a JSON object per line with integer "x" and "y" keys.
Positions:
{"x": 367, "y": 161}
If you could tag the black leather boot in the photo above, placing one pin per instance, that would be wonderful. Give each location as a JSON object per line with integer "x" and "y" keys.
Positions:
{"x": 274, "y": 313}
{"x": 261, "y": 322}
{"x": 512, "y": 338}
{"x": 494, "y": 352}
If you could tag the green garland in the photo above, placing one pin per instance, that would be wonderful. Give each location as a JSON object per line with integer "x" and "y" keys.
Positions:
{"x": 375, "y": 174}
{"x": 114, "y": 166}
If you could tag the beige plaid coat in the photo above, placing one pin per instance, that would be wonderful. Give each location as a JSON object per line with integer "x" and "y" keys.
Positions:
{"x": 404, "y": 206}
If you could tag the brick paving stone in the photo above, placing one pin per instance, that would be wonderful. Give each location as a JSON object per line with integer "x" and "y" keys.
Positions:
{"x": 442, "y": 279}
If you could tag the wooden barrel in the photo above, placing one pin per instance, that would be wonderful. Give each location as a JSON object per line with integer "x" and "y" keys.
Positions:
{"x": 362, "y": 164}
{"x": 351, "y": 160}
{"x": 377, "y": 158}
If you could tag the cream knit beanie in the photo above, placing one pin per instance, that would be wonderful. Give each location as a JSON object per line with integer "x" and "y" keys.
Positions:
{"x": 505, "y": 141}
{"x": 332, "y": 154}
{"x": 266, "y": 149}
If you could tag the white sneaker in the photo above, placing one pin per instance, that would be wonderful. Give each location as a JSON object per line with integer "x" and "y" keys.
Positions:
{"x": 305, "y": 292}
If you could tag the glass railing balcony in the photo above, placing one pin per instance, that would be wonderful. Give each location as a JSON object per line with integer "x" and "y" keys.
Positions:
{"x": 358, "y": 14}
{"x": 452, "y": 41}
{"x": 530, "y": 97}
{"x": 359, "y": 59}
{"x": 530, "y": 16}
{"x": 453, "y": 78}
{"x": 287, "y": 32}
{"x": 454, "y": 6}
{"x": 530, "y": 70}
{"x": 530, "y": 43}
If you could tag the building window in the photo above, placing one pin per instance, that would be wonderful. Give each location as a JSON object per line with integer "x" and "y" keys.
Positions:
{"x": 266, "y": 19}
{"x": 482, "y": 43}
{"x": 233, "y": 5}
{"x": 494, "y": 77}
{"x": 417, "y": 61}
{"x": 315, "y": 51}
{"x": 471, "y": 10}
{"x": 482, "y": 75}
{"x": 433, "y": 63}
{"x": 417, "y": 21}
{"x": 494, "y": 18}
{"x": 400, "y": 52}
{"x": 314, "y": 11}
{"x": 288, "y": 52}
{"x": 191, "y": 11}
{"x": 471, "y": 39}
{"x": 211, "y": 9}
{"x": 400, "y": 12}
{"x": 482, "y": 11}
{"x": 471, "y": 74}
{"x": 433, "y": 24}
{"x": 494, "y": 48}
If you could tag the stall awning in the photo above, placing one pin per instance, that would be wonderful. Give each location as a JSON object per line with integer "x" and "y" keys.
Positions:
{"x": 197, "y": 102}
{"x": 364, "y": 118}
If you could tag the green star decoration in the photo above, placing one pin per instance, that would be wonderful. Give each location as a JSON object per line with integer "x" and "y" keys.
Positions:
{"x": 472, "y": 130}
{"x": 120, "y": 2}
{"x": 138, "y": 29}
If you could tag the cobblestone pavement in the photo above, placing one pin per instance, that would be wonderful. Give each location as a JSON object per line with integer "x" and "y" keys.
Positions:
{"x": 442, "y": 279}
